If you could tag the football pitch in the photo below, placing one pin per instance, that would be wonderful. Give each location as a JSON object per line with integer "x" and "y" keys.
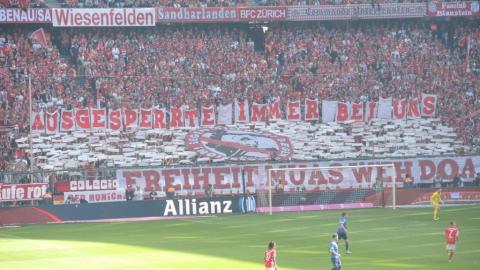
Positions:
{"x": 380, "y": 239}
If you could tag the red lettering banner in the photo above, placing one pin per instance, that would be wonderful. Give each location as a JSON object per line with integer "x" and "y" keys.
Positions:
{"x": 293, "y": 111}
{"x": 66, "y": 121}
{"x": 274, "y": 111}
{"x": 429, "y": 105}
{"x": 259, "y": 112}
{"x": 99, "y": 119}
{"x": 308, "y": 110}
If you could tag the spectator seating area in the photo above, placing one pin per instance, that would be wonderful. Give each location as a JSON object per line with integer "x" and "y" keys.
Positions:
{"x": 207, "y": 65}
{"x": 380, "y": 138}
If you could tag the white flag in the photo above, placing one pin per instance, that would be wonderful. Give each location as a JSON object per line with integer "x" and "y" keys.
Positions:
{"x": 225, "y": 114}
{"x": 329, "y": 110}
{"x": 385, "y": 108}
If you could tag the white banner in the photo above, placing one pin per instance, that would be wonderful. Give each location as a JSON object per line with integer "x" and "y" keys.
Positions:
{"x": 94, "y": 196}
{"x": 225, "y": 114}
{"x": 355, "y": 11}
{"x": 106, "y": 17}
{"x": 229, "y": 178}
{"x": 329, "y": 111}
{"x": 385, "y": 108}
{"x": 87, "y": 119}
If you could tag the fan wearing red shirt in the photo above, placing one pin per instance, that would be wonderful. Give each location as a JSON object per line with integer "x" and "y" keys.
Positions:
{"x": 271, "y": 257}
{"x": 451, "y": 237}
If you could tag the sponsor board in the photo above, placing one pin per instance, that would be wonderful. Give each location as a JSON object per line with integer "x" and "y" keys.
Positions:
{"x": 458, "y": 196}
{"x": 192, "y": 207}
{"x": 29, "y": 15}
{"x": 22, "y": 192}
{"x": 262, "y": 13}
{"x": 238, "y": 145}
{"x": 228, "y": 179}
{"x": 453, "y": 9}
{"x": 247, "y": 204}
{"x": 349, "y": 12}
{"x": 103, "y": 17}
{"x": 201, "y": 14}
{"x": 94, "y": 196}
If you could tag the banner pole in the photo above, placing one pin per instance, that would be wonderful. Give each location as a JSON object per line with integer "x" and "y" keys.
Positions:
{"x": 30, "y": 130}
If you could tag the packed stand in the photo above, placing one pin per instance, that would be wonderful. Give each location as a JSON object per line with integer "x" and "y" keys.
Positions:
{"x": 19, "y": 57}
{"x": 363, "y": 62}
{"x": 23, "y": 4}
{"x": 142, "y": 69}
{"x": 210, "y": 65}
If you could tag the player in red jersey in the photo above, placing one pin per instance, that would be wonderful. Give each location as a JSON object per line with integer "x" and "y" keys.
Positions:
{"x": 271, "y": 257}
{"x": 451, "y": 237}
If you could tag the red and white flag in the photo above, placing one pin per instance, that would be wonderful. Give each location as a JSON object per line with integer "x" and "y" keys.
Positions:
{"x": 39, "y": 37}
{"x": 467, "y": 59}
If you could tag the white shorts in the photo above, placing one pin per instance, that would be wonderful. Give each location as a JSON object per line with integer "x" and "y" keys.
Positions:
{"x": 270, "y": 268}
{"x": 450, "y": 247}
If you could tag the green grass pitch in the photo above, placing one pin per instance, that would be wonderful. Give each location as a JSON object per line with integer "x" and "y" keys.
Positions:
{"x": 380, "y": 239}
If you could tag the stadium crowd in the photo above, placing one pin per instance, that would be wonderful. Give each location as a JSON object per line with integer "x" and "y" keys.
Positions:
{"x": 193, "y": 65}
{"x": 400, "y": 60}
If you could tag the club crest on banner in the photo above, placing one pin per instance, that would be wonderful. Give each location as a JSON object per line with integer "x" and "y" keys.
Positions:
{"x": 238, "y": 145}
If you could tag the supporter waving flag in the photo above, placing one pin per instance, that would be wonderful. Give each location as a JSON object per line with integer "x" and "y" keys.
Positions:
{"x": 39, "y": 37}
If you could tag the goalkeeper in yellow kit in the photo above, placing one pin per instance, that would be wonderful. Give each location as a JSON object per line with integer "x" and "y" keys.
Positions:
{"x": 435, "y": 201}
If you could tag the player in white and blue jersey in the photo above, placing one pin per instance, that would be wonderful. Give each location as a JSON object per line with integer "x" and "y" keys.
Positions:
{"x": 342, "y": 230}
{"x": 334, "y": 254}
